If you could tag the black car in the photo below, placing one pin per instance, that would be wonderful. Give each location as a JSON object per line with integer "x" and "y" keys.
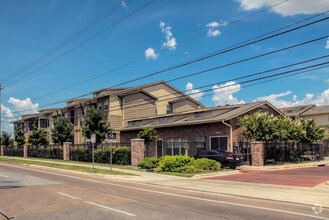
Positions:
{"x": 224, "y": 158}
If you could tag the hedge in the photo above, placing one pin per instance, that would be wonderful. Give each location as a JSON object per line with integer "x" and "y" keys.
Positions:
{"x": 180, "y": 163}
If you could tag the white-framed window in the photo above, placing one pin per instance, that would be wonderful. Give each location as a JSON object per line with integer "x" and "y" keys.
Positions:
{"x": 106, "y": 105}
{"x": 177, "y": 146}
{"x": 200, "y": 143}
{"x": 170, "y": 108}
{"x": 100, "y": 104}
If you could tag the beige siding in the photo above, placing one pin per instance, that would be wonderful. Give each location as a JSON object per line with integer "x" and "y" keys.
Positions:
{"x": 115, "y": 121}
{"x": 138, "y": 105}
{"x": 186, "y": 105}
{"x": 320, "y": 120}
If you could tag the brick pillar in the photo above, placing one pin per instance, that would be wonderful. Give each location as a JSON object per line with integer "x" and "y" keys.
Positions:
{"x": 25, "y": 148}
{"x": 137, "y": 151}
{"x": 257, "y": 153}
{"x": 2, "y": 150}
{"x": 66, "y": 151}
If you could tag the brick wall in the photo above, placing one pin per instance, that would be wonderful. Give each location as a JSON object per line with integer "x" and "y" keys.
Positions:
{"x": 257, "y": 152}
{"x": 137, "y": 151}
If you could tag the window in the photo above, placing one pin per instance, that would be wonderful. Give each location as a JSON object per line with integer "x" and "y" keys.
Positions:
{"x": 97, "y": 93}
{"x": 134, "y": 123}
{"x": 200, "y": 144}
{"x": 310, "y": 117}
{"x": 72, "y": 116}
{"x": 289, "y": 111}
{"x": 44, "y": 123}
{"x": 100, "y": 104}
{"x": 106, "y": 105}
{"x": 170, "y": 108}
{"x": 219, "y": 143}
{"x": 177, "y": 146}
{"x": 163, "y": 119}
{"x": 198, "y": 114}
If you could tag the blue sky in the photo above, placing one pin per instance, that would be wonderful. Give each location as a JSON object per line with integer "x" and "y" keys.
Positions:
{"x": 29, "y": 29}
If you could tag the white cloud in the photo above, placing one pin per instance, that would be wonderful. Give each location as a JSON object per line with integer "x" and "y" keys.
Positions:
{"x": 327, "y": 45}
{"x": 150, "y": 53}
{"x": 223, "y": 94}
{"x": 194, "y": 93}
{"x": 213, "y": 28}
{"x": 123, "y": 3}
{"x": 276, "y": 99}
{"x": 288, "y": 8}
{"x": 8, "y": 116}
{"x": 24, "y": 106}
{"x": 170, "y": 40}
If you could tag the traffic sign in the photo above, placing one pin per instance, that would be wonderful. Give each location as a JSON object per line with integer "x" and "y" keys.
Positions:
{"x": 112, "y": 137}
{"x": 93, "y": 138}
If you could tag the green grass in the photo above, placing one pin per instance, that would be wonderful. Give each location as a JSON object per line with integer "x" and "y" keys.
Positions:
{"x": 65, "y": 167}
{"x": 127, "y": 167}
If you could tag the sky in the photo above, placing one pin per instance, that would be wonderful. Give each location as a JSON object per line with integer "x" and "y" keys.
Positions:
{"x": 55, "y": 50}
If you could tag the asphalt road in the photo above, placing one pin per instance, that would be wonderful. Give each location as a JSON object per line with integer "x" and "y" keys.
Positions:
{"x": 40, "y": 193}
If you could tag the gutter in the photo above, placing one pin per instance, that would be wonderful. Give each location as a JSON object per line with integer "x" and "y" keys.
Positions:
{"x": 231, "y": 132}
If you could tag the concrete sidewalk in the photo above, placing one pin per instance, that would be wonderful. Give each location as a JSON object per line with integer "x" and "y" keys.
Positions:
{"x": 300, "y": 195}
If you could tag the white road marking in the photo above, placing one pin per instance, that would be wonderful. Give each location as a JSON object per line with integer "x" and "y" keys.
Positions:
{"x": 95, "y": 204}
{"x": 3, "y": 175}
{"x": 178, "y": 195}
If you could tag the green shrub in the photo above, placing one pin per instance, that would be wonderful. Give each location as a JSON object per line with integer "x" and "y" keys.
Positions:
{"x": 122, "y": 156}
{"x": 206, "y": 164}
{"x": 149, "y": 163}
{"x": 174, "y": 163}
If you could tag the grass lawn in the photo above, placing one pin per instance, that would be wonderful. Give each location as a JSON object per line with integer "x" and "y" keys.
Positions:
{"x": 65, "y": 167}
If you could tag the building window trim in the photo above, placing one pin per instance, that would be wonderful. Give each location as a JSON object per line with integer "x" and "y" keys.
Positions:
{"x": 220, "y": 136}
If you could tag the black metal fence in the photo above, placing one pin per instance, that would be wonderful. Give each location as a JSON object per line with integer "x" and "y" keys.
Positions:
{"x": 102, "y": 152}
{"x": 49, "y": 151}
{"x": 278, "y": 153}
{"x": 243, "y": 149}
{"x": 14, "y": 151}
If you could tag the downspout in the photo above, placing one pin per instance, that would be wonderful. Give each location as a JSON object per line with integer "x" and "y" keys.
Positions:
{"x": 231, "y": 132}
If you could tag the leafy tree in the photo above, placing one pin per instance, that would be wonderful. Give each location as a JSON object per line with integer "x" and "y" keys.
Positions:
{"x": 62, "y": 131}
{"x": 38, "y": 137}
{"x": 259, "y": 126}
{"x": 311, "y": 132}
{"x": 19, "y": 136}
{"x": 5, "y": 138}
{"x": 94, "y": 124}
{"x": 148, "y": 134}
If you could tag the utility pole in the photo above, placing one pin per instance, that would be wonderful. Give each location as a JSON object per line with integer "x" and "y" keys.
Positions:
{"x": 0, "y": 113}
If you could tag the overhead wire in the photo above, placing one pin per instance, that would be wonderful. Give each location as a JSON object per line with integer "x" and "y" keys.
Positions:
{"x": 66, "y": 41}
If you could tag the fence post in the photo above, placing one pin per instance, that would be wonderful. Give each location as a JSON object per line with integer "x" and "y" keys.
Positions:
{"x": 25, "y": 149}
{"x": 257, "y": 153}
{"x": 66, "y": 151}
{"x": 2, "y": 150}
{"x": 137, "y": 151}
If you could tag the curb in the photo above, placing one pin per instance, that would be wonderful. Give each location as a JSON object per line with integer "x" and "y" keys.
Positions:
{"x": 327, "y": 183}
{"x": 198, "y": 176}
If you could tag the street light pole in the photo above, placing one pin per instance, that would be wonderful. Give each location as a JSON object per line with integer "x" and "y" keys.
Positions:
{"x": 0, "y": 113}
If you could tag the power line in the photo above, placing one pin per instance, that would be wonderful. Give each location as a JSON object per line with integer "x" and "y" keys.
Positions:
{"x": 79, "y": 45}
{"x": 214, "y": 53}
{"x": 238, "y": 78}
{"x": 66, "y": 41}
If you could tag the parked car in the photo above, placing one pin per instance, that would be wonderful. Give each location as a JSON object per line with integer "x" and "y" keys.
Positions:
{"x": 224, "y": 158}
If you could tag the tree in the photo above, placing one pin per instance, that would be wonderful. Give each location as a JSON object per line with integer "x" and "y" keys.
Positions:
{"x": 148, "y": 134}
{"x": 311, "y": 132}
{"x": 94, "y": 124}
{"x": 19, "y": 136}
{"x": 259, "y": 126}
{"x": 5, "y": 138}
{"x": 62, "y": 131}
{"x": 38, "y": 137}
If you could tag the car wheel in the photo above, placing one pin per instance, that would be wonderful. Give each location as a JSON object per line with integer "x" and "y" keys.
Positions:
{"x": 233, "y": 167}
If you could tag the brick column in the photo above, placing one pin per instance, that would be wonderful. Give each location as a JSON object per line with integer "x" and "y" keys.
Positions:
{"x": 66, "y": 150}
{"x": 257, "y": 153}
{"x": 25, "y": 148}
{"x": 137, "y": 151}
{"x": 2, "y": 150}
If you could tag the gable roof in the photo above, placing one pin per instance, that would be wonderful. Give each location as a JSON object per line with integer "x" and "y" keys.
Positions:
{"x": 296, "y": 110}
{"x": 229, "y": 112}
{"x": 316, "y": 110}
